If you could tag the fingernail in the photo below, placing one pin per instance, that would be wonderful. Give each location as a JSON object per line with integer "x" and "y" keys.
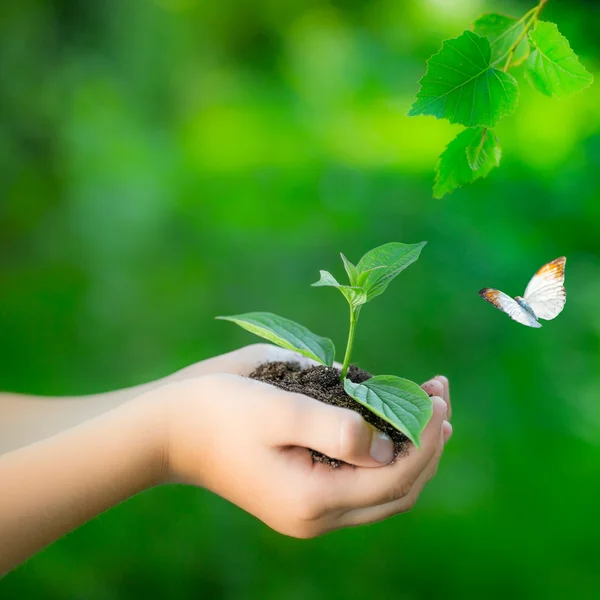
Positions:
{"x": 382, "y": 447}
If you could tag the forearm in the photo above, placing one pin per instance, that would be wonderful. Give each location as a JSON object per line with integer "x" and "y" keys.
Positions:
{"x": 28, "y": 419}
{"x": 51, "y": 487}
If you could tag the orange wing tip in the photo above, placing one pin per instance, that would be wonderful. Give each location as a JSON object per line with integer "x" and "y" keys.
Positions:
{"x": 560, "y": 261}
{"x": 489, "y": 293}
{"x": 555, "y": 267}
{"x": 492, "y": 296}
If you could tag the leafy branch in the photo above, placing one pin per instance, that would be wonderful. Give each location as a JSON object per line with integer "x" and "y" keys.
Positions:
{"x": 398, "y": 401}
{"x": 464, "y": 83}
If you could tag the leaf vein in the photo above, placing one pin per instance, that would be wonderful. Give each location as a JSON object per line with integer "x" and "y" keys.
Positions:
{"x": 485, "y": 60}
{"x": 465, "y": 56}
{"x": 448, "y": 67}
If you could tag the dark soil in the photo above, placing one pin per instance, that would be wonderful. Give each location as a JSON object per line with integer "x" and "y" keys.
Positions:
{"x": 323, "y": 383}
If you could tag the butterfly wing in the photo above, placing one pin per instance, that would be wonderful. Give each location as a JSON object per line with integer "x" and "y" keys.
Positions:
{"x": 546, "y": 294}
{"x": 511, "y": 307}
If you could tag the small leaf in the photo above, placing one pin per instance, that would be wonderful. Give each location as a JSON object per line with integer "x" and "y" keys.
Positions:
{"x": 461, "y": 85}
{"x": 384, "y": 263}
{"x": 362, "y": 277}
{"x": 502, "y": 32}
{"x": 287, "y": 334}
{"x": 472, "y": 154}
{"x": 350, "y": 269}
{"x": 355, "y": 295}
{"x": 552, "y": 67}
{"x": 484, "y": 151}
{"x": 398, "y": 401}
{"x": 327, "y": 279}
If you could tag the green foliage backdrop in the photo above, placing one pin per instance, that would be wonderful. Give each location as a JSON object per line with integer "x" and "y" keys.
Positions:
{"x": 166, "y": 161}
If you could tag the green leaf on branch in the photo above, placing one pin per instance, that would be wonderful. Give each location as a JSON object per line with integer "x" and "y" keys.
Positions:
{"x": 287, "y": 334}
{"x": 398, "y": 401}
{"x": 552, "y": 67}
{"x": 384, "y": 263}
{"x": 462, "y": 86}
{"x": 484, "y": 152}
{"x": 472, "y": 154}
{"x": 354, "y": 294}
{"x": 503, "y": 32}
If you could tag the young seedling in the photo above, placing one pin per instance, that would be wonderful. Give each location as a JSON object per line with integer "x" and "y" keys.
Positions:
{"x": 398, "y": 401}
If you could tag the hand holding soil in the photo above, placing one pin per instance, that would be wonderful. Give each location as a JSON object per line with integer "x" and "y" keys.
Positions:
{"x": 207, "y": 425}
{"x": 251, "y": 443}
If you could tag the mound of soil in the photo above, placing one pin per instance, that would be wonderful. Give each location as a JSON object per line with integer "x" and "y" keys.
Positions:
{"x": 323, "y": 383}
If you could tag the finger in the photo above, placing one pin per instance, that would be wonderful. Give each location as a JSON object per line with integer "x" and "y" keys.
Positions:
{"x": 251, "y": 357}
{"x": 446, "y": 392}
{"x": 439, "y": 386}
{"x": 361, "y": 488}
{"x": 238, "y": 362}
{"x": 447, "y": 429}
{"x": 433, "y": 387}
{"x": 339, "y": 433}
{"x": 373, "y": 514}
{"x": 446, "y": 435}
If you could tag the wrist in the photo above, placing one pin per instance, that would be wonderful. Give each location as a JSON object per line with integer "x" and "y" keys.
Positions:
{"x": 147, "y": 415}
{"x": 177, "y": 413}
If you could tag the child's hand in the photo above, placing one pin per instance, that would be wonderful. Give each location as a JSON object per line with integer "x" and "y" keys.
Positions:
{"x": 243, "y": 439}
{"x": 248, "y": 442}
{"x": 240, "y": 362}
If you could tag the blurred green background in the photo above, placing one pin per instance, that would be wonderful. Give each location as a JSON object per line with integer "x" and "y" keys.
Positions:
{"x": 166, "y": 161}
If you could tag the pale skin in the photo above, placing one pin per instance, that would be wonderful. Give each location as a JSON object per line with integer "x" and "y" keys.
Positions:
{"x": 66, "y": 460}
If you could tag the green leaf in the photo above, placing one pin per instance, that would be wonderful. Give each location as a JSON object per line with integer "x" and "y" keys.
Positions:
{"x": 484, "y": 152}
{"x": 363, "y": 275}
{"x": 350, "y": 269}
{"x": 400, "y": 402}
{"x": 355, "y": 295}
{"x": 287, "y": 334}
{"x": 502, "y": 32}
{"x": 472, "y": 154}
{"x": 552, "y": 67}
{"x": 386, "y": 262}
{"x": 461, "y": 85}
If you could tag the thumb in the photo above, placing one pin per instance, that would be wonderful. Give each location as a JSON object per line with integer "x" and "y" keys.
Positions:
{"x": 336, "y": 432}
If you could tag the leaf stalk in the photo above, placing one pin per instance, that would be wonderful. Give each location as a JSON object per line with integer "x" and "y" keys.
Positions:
{"x": 535, "y": 13}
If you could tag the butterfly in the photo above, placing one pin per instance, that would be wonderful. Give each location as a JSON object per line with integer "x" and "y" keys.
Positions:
{"x": 544, "y": 297}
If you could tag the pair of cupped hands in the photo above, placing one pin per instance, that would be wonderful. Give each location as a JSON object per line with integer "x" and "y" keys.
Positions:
{"x": 250, "y": 443}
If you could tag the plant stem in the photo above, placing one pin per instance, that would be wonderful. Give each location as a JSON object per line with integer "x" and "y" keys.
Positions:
{"x": 353, "y": 319}
{"x": 535, "y": 13}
